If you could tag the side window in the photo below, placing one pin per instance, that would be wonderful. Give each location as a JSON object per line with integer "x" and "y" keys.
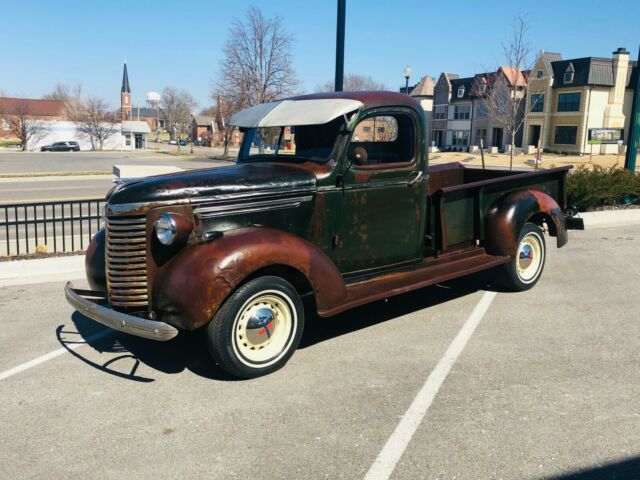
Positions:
{"x": 382, "y": 140}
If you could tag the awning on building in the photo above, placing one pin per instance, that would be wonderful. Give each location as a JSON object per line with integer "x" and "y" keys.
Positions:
{"x": 294, "y": 112}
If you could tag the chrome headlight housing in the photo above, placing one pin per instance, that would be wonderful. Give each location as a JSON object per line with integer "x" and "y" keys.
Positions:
{"x": 166, "y": 229}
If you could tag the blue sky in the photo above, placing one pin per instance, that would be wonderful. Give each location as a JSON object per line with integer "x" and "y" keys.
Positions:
{"x": 179, "y": 43}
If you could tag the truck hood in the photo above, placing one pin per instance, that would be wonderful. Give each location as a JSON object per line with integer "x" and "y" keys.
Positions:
{"x": 219, "y": 182}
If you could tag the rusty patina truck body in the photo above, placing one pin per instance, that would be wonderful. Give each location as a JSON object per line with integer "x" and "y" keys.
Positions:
{"x": 331, "y": 196}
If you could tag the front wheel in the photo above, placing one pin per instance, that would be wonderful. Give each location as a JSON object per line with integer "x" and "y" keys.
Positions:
{"x": 524, "y": 271}
{"x": 258, "y": 328}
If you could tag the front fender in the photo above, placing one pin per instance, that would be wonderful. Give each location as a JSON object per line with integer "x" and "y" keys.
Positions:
{"x": 509, "y": 213}
{"x": 191, "y": 287}
{"x": 94, "y": 262}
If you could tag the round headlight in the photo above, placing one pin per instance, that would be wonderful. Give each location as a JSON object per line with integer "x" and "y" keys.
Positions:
{"x": 166, "y": 229}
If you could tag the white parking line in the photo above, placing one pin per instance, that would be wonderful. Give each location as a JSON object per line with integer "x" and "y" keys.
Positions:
{"x": 397, "y": 443}
{"x": 51, "y": 355}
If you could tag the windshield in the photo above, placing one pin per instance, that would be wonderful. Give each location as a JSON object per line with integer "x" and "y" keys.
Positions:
{"x": 292, "y": 143}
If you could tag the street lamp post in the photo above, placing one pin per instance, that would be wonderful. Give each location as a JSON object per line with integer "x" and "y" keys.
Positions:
{"x": 338, "y": 83}
{"x": 407, "y": 74}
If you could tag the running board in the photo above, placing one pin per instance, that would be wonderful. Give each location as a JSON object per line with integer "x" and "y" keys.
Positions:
{"x": 424, "y": 274}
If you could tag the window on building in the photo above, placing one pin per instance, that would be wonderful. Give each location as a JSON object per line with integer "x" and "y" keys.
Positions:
{"x": 460, "y": 138}
{"x": 462, "y": 112}
{"x": 566, "y": 135}
{"x": 5, "y": 124}
{"x": 482, "y": 88}
{"x": 539, "y": 74}
{"x": 461, "y": 91}
{"x": 366, "y": 129}
{"x": 569, "y": 102}
{"x": 568, "y": 74}
{"x": 537, "y": 102}
{"x": 481, "y": 110}
{"x": 440, "y": 112}
{"x": 481, "y": 134}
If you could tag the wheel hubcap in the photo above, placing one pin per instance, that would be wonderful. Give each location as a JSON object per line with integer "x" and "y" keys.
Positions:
{"x": 264, "y": 328}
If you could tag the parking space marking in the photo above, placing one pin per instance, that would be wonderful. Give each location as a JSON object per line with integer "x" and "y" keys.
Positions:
{"x": 397, "y": 443}
{"x": 51, "y": 355}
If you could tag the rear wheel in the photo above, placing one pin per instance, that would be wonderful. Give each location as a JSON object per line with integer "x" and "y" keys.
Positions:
{"x": 258, "y": 328}
{"x": 524, "y": 271}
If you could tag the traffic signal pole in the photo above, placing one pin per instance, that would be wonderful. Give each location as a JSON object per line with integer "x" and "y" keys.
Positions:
{"x": 634, "y": 123}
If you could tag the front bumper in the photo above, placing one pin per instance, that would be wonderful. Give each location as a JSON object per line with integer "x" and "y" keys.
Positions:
{"x": 92, "y": 304}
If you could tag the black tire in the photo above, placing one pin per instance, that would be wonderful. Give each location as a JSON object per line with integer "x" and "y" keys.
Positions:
{"x": 524, "y": 271}
{"x": 236, "y": 335}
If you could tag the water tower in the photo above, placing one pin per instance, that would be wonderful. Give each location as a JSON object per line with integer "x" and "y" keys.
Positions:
{"x": 153, "y": 100}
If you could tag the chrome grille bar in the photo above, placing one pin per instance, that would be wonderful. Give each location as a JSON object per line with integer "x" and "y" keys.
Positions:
{"x": 126, "y": 257}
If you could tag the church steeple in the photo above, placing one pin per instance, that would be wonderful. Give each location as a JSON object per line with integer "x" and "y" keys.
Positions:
{"x": 125, "y": 80}
{"x": 125, "y": 95}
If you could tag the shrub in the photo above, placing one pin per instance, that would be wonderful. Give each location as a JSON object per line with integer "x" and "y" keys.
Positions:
{"x": 601, "y": 186}
{"x": 10, "y": 143}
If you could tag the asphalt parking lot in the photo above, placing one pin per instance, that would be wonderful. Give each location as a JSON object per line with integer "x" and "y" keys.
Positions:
{"x": 547, "y": 386}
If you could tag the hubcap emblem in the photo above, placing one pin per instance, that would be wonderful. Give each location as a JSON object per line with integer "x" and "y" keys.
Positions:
{"x": 260, "y": 326}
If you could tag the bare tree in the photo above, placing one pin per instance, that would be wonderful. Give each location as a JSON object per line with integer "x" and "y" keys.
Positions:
{"x": 257, "y": 65}
{"x": 24, "y": 126}
{"x": 505, "y": 93}
{"x": 222, "y": 111}
{"x": 353, "y": 83}
{"x": 176, "y": 107}
{"x": 94, "y": 120}
{"x": 63, "y": 92}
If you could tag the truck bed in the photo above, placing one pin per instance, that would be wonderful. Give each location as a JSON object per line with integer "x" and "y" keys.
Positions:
{"x": 459, "y": 198}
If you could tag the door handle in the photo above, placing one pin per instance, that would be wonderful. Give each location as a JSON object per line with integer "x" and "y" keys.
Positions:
{"x": 415, "y": 180}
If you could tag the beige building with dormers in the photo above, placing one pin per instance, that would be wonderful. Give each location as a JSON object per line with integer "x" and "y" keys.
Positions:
{"x": 572, "y": 103}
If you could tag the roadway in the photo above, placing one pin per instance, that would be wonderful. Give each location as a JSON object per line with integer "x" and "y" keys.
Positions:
{"x": 545, "y": 387}
{"x": 12, "y": 163}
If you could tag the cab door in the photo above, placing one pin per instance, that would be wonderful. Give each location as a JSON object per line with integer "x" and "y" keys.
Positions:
{"x": 381, "y": 220}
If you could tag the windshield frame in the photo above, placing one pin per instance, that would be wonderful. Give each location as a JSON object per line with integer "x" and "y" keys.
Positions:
{"x": 275, "y": 155}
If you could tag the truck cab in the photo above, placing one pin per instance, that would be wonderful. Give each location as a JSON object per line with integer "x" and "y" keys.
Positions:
{"x": 332, "y": 197}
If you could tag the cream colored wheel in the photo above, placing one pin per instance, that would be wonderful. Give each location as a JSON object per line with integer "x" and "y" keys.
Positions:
{"x": 264, "y": 328}
{"x": 525, "y": 268}
{"x": 258, "y": 327}
{"x": 530, "y": 257}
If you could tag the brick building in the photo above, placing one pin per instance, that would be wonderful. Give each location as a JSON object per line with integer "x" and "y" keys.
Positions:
{"x": 35, "y": 109}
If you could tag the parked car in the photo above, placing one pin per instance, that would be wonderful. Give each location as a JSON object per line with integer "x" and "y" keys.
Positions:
{"x": 345, "y": 220}
{"x": 172, "y": 142}
{"x": 61, "y": 147}
{"x": 182, "y": 142}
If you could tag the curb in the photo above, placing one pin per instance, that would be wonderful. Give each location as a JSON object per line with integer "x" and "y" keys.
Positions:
{"x": 611, "y": 218}
{"x": 42, "y": 270}
{"x": 57, "y": 269}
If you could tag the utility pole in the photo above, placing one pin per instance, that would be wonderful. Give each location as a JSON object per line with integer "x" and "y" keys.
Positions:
{"x": 634, "y": 123}
{"x": 342, "y": 7}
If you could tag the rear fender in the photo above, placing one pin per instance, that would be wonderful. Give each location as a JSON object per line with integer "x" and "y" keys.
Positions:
{"x": 508, "y": 214}
{"x": 191, "y": 287}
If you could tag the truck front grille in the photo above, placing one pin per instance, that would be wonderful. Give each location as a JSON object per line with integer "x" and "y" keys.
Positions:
{"x": 126, "y": 258}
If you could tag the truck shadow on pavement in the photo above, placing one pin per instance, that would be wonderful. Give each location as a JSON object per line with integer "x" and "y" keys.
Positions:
{"x": 627, "y": 469}
{"x": 188, "y": 350}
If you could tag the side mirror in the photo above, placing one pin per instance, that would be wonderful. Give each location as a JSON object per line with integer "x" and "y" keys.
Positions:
{"x": 358, "y": 155}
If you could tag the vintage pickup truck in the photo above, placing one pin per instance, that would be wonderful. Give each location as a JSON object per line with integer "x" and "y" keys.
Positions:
{"x": 331, "y": 196}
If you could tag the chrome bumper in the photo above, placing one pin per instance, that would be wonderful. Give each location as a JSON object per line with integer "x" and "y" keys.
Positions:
{"x": 87, "y": 302}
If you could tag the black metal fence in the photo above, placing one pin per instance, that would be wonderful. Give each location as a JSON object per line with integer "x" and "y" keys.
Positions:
{"x": 64, "y": 226}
